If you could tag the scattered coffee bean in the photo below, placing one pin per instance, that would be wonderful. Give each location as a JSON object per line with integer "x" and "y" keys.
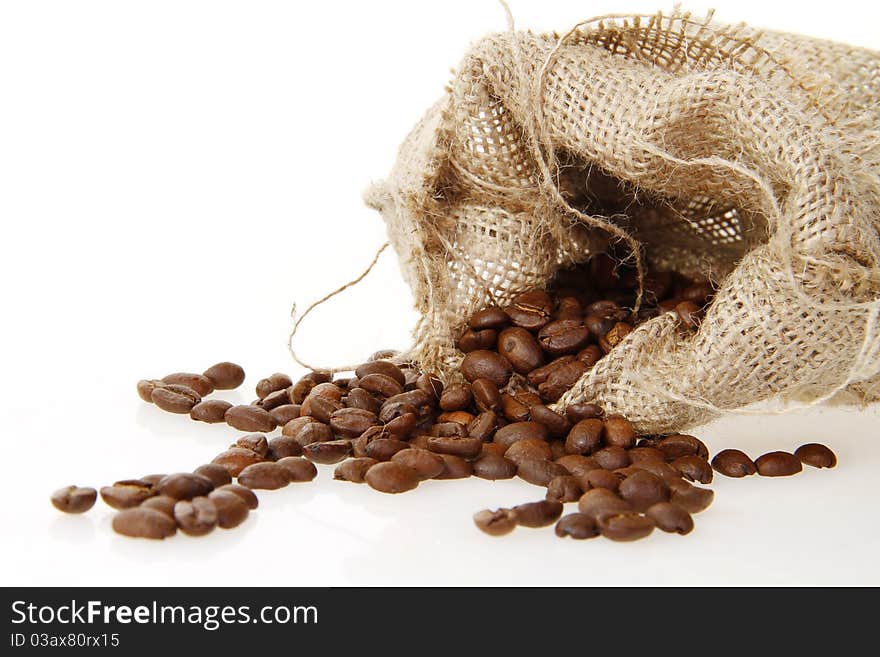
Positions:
{"x": 231, "y": 509}
{"x": 577, "y": 526}
{"x": 217, "y": 474}
{"x": 585, "y": 437}
{"x": 354, "y": 470}
{"x": 580, "y": 411}
{"x": 493, "y": 467}
{"x": 483, "y": 364}
{"x": 145, "y": 389}
{"x": 611, "y": 458}
{"x": 211, "y": 411}
{"x": 392, "y": 477}
{"x": 537, "y": 514}
{"x": 236, "y": 459}
{"x": 515, "y": 431}
{"x": 225, "y": 375}
{"x": 693, "y": 468}
{"x": 250, "y": 418}
{"x": 625, "y": 526}
{"x": 196, "y": 517}
{"x": 529, "y": 448}
{"x": 281, "y": 446}
{"x": 184, "y": 486}
{"x": 733, "y": 463}
{"x": 496, "y": 523}
{"x": 268, "y": 476}
{"x": 126, "y": 494}
{"x": 381, "y": 367}
{"x": 692, "y": 499}
{"x": 489, "y": 318}
{"x": 600, "y": 502}
{"x": 455, "y": 467}
{"x": 619, "y": 432}
{"x": 328, "y": 453}
{"x": 539, "y": 472}
{"x": 566, "y": 488}
{"x": 778, "y": 464}
{"x": 144, "y": 523}
{"x": 256, "y": 442}
{"x": 198, "y": 382}
{"x": 383, "y": 449}
{"x": 175, "y": 398}
{"x": 161, "y": 503}
{"x": 520, "y": 349}
{"x": 352, "y": 422}
{"x": 816, "y": 455}
{"x": 272, "y": 384}
{"x": 74, "y": 499}
{"x": 298, "y": 469}
{"x": 670, "y": 518}
{"x": 601, "y": 479}
{"x": 246, "y": 494}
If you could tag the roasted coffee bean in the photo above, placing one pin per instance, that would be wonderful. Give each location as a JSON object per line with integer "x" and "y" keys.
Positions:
{"x": 274, "y": 399}
{"x": 643, "y": 489}
{"x": 256, "y": 442}
{"x": 495, "y": 523}
{"x": 579, "y": 411}
{"x": 611, "y": 458}
{"x": 527, "y": 397}
{"x": 670, "y": 518}
{"x": 273, "y": 383}
{"x": 601, "y": 479}
{"x": 585, "y": 437}
{"x": 513, "y": 409}
{"x": 354, "y": 470}
{"x": 509, "y": 434}
{"x": 381, "y": 367}
{"x": 778, "y": 464}
{"x": 295, "y": 425}
{"x": 327, "y": 390}
{"x": 359, "y": 445}
{"x": 426, "y": 464}
{"x": 537, "y": 514}
{"x": 734, "y": 463}
{"x": 816, "y": 455}
{"x": 692, "y": 499}
{"x": 483, "y": 426}
{"x": 578, "y": 465}
{"x": 246, "y": 494}
{"x": 382, "y": 449}
{"x": 392, "y": 477}
{"x": 538, "y": 472}
{"x": 531, "y": 310}
{"x": 493, "y": 448}
{"x": 217, "y": 474}
{"x": 557, "y": 449}
{"x": 455, "y": 445}
{"x": 285, "y": 413}
{"x": 529, "y": 448}
{"x": 521, "y": 349}
{"x": 161, "y": 503}
{"x": 693, "y": 468}
{"x": 682, "y": 445}
{"x": 566, "y": 488}
{"x": 492, "y": 317}
{"x": 455, "y": 467}
{"x": 301, "y": 389}
{"x": 557, "y": 425}
{"x": 538, "y": 376}
{"x": 196, "y": 517}
{"x": 565, "y": 336}
{"x": 615, "y": 336}
{"x": 590, "y": 355}
{"x": 641, "y": 454}
{"x": 493, "y": 467}
{"x": 250, "y": 418}
{"x": 606, "y": 308}
{"x": 619, "y": 432}
{"x": 313, "y": 432}
{"x": 268, "y": 476}
{"x": 459, "y": 417}
{"x": 74, "y": 499}
{"x": 486, "y": 395}
{"x": 660, "y": 469}
{"x": 184, "y": 486}
{"x": 569, "y": 308}
{"x": 175, "y": 398}
{"x": 421, "y": 401}
{"x": 403, "y": 426}
{"x": 328, "y": 453}
{"x": 145, "y": 388}
{"x": 482, "y": 364}
{"x": 601, "y": 502}
{"x": 360, "y": 398}
{"x": 625, "y": 526}
{"x": 144, "y": 523}
{"x": 456, "y": 397}
{"x": 225, "y": 375}
{"x": 577, "y": 526}
{"x": 198, "y": 382}
{"x": 381, "y": 385}
{"x": 236, "y": 459}
{"x": 690, "y": 314}
{"x": 393, "y": 410}
{"x": 322, "y": 408}
{"x": 211, "y": 411}
{"x": 561, "y": 379}
{"x": 448, "y": 430}
{"x": 352, "y": 422}
{"x": 126, "y": 494}
{"x": 430, "y": 385}
{"x": 475, "y": 340}
{"x": 598, "y": 325}
{"x": 230, "y": 508}
{"x": 298, "y": 469}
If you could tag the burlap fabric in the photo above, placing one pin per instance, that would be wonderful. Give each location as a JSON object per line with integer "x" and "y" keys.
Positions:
{"x": 753, "y": 158}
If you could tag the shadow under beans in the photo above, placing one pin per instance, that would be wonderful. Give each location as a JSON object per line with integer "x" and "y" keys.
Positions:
{"x": 77, "y": 529}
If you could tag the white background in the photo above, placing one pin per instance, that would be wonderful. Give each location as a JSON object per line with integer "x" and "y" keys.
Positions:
{"x": 174, "y": 175}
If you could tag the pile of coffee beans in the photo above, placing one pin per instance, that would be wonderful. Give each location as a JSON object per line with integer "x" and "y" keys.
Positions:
{"x": 394, "y": 427}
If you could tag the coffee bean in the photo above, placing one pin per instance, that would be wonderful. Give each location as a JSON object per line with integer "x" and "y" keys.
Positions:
{"x": 611, "y": 458}
{"x": 521, "y": 349}
{"x": 690, "y": 314}
{"x": 322, "y": 408}
{"x": 601, "y": 502}
{"x": 529, "y": 448}
{"x": 598, "y": 325}
{"x": 557, "y": 425}
{"x": 360, "y": 398}
{"x": 619, "y": 432}
{"x": 494, "y": 467}
{"x": 778, "y": 464}
{"x": 352, "y": 422}
{"x": 816, "y": 455}
{"x": 211, "y": 411}
{"x": 298, "y": 469}
{"x": 590, "y": 355}
{"x": 566, "y": 488}
{"x": 615, "y": 336}
{"x": 246, "y": 494}
{"x": 606, "y": 308}
{"x": 273, "y": 383}
{"x": 660, "y": 469}
{"x": 482, "y": 364}
{"x": 231, "y": 509}
{"x": 475, "y": 340}
{"x": 145, "y": 388}
{"x": 403, "y": 426}
{"x": 456, "y": 397}
{"x": 225, "y": 375}
{"x": 530, "y": 310}
{"x": 601, "y": 479}
{"x": 457, "y": 446}
{"x": 184, "y": 486}
{"x": 217, "y": 474}
{"x": 459, "y": 417}
{"x": 569, "y": 308}
{"x": 250, "y": 418}
{"x": 449, "y": 430}
{"x": 682, "y": 445}
{"x": 733, "y": 463}
{"x": 301, "y": 389}
{"x": 418, "y": 399}
{"x": 642, "y": 454}
{"x": 333, "y": 451}
{"x": 537, "y": 514}
{"x": 313, "y": 432}
{"x": 495, "y": 523}
{"x": 392, "y": 477}
{"x": 274, "y": 400}
{"x": 430, "y": 385}
{"x": 74, "y": 499}
{"x": 492, "y": 317}
{"x": 455, "y": 467}
{"x": 150, "y": 479}
{"x": 493, "y": 448}
{"x": 578, "y": 465}
{"x": 578, "y": 526}
{"x": 236, "y": 459}
{"x": 354, "y": 470}
{"x": 692, "y": 499}
{"x": 565, "y": 336}
{"x": 585, "y": 437}
{"x": 293, "y": 427}
{"x": 483, "y": 426}
{"x": 579, "y": 411}
{"x": 538, "y": 376}
{"x": 643, "y": 489}
{"x": 670, "y": 518}
{"x": 561, "y": 379}
{"x": 693, "y": 468}
{"x": 161, "y": 503}
{"x": 196, "y": 517}
{"x": 513, "y": 409}
{"x": 390, "y": 411}
{"x": 198, "y": 382}
{"x": 381, "y": 385}
{"x": 256, "y": 442}
{"x": 539, "y": 472}
{"x": 381, "y": 367}
{"x": 383, "y": 449}
{"x": 625, "y": 527}
{"x": 557, "y": 449}
{"x": 486, "y": 395}
{"x": 175, "y": 398}
{"x": 144, "y": 523}
{"x": 285, "y": 413}
{"x": 126, "y": 494}
{"x": 515, "y": 431}
{"x": 268, "y": 476}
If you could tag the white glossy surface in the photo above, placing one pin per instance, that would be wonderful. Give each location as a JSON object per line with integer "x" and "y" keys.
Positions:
{"x": 173, "y": 177}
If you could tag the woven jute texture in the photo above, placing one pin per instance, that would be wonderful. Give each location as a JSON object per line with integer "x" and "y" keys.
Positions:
{"x": 749, "y": 157}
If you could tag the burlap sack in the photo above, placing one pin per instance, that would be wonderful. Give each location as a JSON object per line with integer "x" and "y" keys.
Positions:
{"x": 753, "y": 158}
